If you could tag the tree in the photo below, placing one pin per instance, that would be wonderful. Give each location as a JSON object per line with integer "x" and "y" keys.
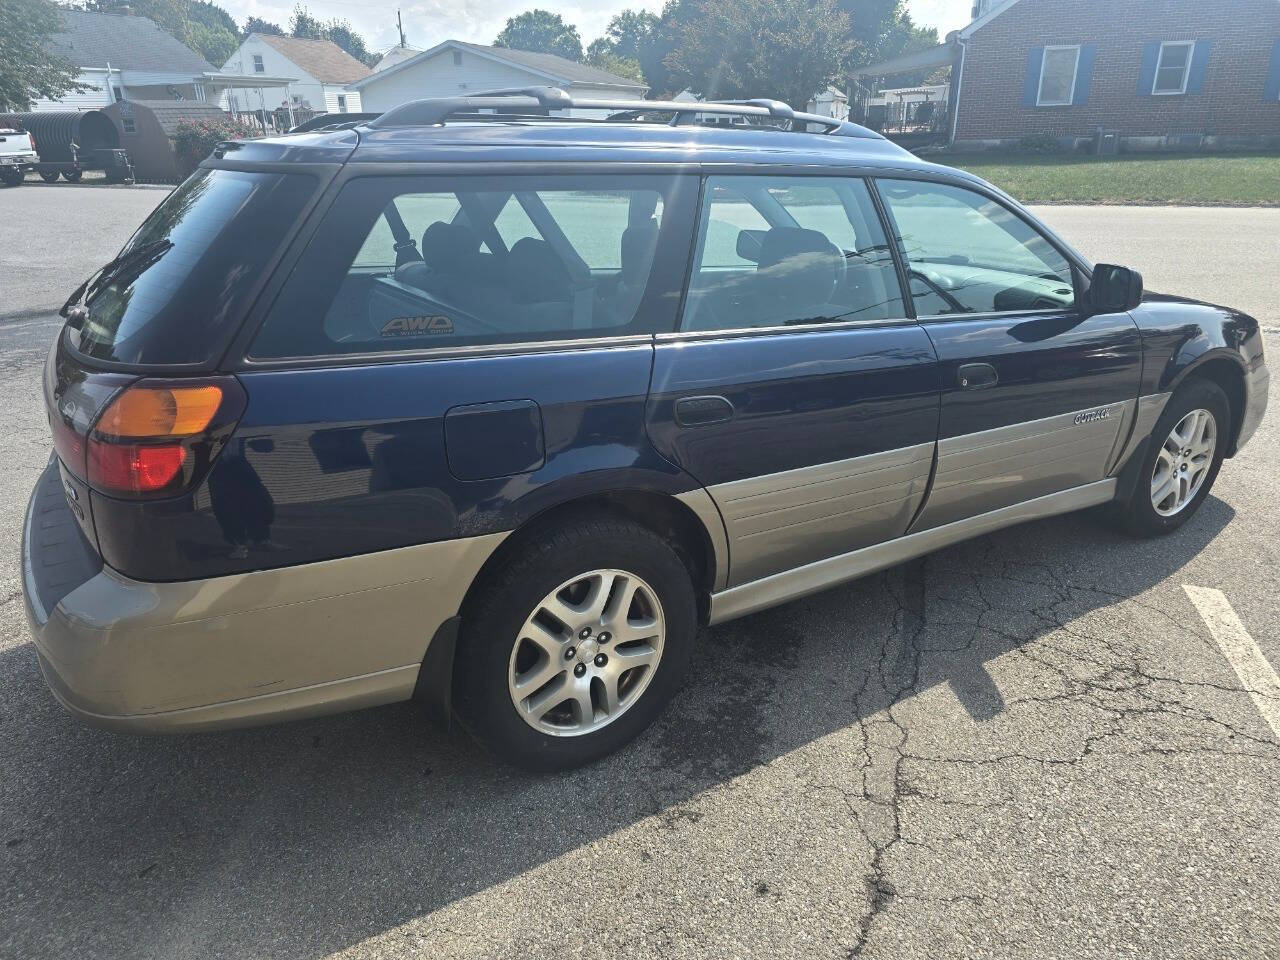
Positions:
{"x": 258, "y": 25}
{"x": 541, "y": 31}
{"x": 27, "y": 69}
{"x": 741, "y": 49}
{"x": 169, "y": 15}
{"x": 305, "y": 26}
{"x": 211, "y": 32}
{"x": 632, "y": 46}
{"x": 600, "y": 55}
{"x": 340, "y": 32}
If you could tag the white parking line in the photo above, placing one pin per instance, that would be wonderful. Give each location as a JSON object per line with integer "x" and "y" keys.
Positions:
{"x": 1241, "y": 650}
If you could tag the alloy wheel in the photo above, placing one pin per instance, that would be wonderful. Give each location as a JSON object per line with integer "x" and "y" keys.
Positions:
{"x": 586, "y": 653}
{"x": 1183, "y": 463}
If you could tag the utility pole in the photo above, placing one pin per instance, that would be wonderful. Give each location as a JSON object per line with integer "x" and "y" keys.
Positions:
{"x": 400, "y": 27}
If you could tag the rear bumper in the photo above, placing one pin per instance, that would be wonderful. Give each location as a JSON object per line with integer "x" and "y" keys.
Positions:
{"x": 19, "y": 161}
{"x": 239, "y": 650}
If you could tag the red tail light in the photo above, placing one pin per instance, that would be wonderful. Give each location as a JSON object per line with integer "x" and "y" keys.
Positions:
{"x": 159, "y": 437}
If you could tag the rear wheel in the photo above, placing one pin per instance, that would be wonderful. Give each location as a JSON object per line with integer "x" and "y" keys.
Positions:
{"x": 48, "y": 176}
{"x": 1181, "y": 462}
{"x": 575, "y": 644}
{"x": 12, "y": 178}
{"x": 72, "y": 176}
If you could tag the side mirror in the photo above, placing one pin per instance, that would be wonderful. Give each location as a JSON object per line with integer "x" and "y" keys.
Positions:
{"x": 1114, "y": 289}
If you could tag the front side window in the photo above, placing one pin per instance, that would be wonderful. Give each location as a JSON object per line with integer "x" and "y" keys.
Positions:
{"x": 1058, "y": 76}
{"x": 966, "y": 253}
{"x": 1172, "y": 67}
{"x": 777, "y": 251}
{"x": 404, "y": 263}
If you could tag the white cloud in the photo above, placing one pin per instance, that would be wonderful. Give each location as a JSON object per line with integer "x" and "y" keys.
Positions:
{"x": 946, "y": 15}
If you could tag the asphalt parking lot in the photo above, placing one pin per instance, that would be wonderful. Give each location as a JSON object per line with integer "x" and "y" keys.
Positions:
{"x": 1028, "y": 745}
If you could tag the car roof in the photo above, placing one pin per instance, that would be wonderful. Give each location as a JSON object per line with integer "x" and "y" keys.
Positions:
{"x": 585, "y": 142}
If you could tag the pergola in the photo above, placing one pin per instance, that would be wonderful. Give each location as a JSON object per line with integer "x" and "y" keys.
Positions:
{"x": 222, "y": 81}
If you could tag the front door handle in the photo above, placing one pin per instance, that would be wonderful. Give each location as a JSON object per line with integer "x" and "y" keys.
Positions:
{"x": 700, "y": 411}
{"x": 976, "y": 376}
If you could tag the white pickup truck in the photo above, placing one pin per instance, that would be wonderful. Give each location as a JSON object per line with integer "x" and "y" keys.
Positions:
{"x": 17, "y": 155}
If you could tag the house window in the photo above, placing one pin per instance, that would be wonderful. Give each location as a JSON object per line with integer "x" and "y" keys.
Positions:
{"x": 129, "y": 125}
{"x": 1058, "y": 76}
{"x": 342, "y": 104}
{"x": 257, "y": 64}
{"x": 1173, "y": 67}
{"x": 457, "y": 58}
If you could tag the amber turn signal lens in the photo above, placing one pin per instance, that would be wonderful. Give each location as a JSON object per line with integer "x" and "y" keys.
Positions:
{"x": 161, "y": 411}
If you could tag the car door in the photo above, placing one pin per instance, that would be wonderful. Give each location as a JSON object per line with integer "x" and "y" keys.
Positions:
{"x": 796, "y": 389}
{"x": 1036, "y": 394}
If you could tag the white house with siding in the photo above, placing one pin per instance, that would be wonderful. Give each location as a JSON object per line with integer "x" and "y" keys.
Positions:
{"x": 121, "y": 57}
{"x": 454, "y": 68}
{"x": 321, "y": 75}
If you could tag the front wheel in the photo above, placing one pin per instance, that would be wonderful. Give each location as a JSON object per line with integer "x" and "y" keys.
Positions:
{"x": 72, "y": 176}
{"x": 1181, "y": 462}
{"x": 49, "y": 176}
{"x": 575, "y": 643}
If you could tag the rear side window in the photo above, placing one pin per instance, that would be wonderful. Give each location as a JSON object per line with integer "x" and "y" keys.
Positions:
{"x": 777, "y": 251}
{"x": 183, "y": 280}
{"x": 407, "y": 263}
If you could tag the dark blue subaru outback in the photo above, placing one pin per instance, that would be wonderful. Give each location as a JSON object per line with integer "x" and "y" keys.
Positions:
{"x": 493, "y": 409}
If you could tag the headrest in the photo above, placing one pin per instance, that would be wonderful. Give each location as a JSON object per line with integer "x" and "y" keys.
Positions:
{"x": 536, "y": 274}
{"x": 801, "y": 266}
{"x": 449, "y": 247}
{"x": 639, "y": 243}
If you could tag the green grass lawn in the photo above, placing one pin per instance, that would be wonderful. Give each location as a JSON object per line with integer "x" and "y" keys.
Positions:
{"x": 1230, "y": 179}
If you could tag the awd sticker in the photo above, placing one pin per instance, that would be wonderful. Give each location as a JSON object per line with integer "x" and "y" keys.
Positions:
{"x": 415, "y": 326}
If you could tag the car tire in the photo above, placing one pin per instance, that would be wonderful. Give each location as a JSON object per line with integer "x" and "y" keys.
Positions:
{"x": 72, "y": 176}
{"x": 1155, "y": 508}
{"x": 49, "y": 176}
{"x": 541, "y": 680}
{"x": 12, "y": 179}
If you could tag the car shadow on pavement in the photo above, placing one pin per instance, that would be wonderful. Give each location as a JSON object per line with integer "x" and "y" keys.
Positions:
{"x": 304, "y": 839}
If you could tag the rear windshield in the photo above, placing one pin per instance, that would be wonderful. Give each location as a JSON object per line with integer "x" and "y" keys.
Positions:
{"x": 183, "y": 281}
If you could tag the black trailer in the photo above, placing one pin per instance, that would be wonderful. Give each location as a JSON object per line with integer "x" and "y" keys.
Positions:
{"x": 71, "y": 142}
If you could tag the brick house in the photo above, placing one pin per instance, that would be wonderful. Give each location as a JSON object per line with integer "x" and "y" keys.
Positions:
{"x": 1151, "y": 74}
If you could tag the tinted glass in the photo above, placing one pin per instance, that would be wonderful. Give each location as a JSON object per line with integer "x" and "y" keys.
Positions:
{"x": 774, "y": 251}
{"x": 490, "y": 260}
{"x": 187, "y": 274}
{"x": 968, "y": 254}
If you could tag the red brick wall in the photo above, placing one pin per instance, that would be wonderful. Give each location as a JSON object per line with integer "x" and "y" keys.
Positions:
{"x": 1242, "y": 33}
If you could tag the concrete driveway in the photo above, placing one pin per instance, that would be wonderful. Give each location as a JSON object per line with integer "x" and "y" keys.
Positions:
{"x": 1027, "y": 745}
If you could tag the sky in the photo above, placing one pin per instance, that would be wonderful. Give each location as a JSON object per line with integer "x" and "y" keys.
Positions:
{"x": 428, "y": 22}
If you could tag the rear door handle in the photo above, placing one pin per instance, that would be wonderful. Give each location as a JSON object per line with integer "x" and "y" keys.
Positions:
{"x": 976, "y": 376}
{"x": 700, "y": 411}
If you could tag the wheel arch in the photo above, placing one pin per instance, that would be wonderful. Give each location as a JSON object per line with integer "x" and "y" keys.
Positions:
{"x": 1225, "y": 369}
{"x": 688, "y": 521}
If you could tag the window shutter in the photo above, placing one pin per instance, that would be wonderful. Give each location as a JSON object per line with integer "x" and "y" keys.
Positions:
{"x": 1147, "y": 77}
{"x": 1199, "y": 60}
{"x": 1031, "y": 87}
{"x": 1084, "y": 75}
{"x": 1272, "y": 91}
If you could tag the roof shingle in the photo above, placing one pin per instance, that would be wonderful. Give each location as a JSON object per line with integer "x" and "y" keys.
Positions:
{"x": 323, "y": 59}
{"x": 559, "y": 67}
{"x": 92, "y": 40}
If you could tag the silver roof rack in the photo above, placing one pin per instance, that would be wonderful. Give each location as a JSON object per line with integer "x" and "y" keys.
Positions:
{"x": 434, "y": 112}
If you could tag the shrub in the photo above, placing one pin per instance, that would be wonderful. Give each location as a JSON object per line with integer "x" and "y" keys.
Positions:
{"x": 1039, "y": 143}
{"x": 195, "y": 140}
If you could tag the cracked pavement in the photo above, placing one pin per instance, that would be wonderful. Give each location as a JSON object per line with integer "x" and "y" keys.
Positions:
{"x": 1027, "y": 745}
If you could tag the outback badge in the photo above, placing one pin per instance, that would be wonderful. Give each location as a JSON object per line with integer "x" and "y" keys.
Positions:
{"x": 1090, "y": 416}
